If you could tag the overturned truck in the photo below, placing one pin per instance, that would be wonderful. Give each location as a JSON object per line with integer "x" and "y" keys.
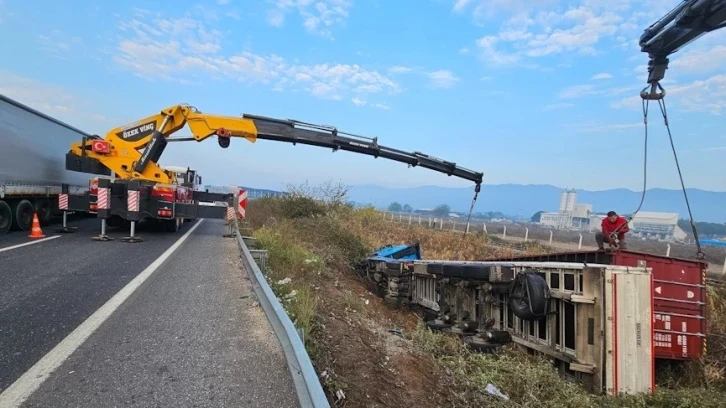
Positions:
{"x": 593, "y": 321}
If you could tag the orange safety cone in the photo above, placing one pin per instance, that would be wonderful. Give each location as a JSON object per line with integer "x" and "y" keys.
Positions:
{"x": 36, "y": 232}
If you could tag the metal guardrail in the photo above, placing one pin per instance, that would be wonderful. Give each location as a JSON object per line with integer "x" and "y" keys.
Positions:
{"x": 307, "y": 384}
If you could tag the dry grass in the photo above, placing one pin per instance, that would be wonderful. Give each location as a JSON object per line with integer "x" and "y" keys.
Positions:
{"x": 313, "y": 245}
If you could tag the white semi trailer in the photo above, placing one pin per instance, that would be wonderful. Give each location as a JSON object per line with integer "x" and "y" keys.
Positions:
{"x": 33, "y": 149}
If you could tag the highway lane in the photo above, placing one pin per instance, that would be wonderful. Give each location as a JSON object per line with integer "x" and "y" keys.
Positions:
{"x": 192, "y": 334}
{"x": 49, "y": 288}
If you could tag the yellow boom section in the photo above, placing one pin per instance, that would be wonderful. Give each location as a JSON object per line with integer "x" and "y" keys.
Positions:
{"x": 134, "y": 149}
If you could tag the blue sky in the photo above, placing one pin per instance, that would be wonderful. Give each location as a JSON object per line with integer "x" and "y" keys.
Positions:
{"x": 526, "y": 91}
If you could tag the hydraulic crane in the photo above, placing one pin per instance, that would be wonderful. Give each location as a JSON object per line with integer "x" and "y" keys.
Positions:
{"x": 120, "y": 150}
{"x": 688, "y": 21}
{"x": 142, "y": 189}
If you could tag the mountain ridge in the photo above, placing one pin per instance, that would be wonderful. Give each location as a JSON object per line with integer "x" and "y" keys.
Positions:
{"x": 526, "y": 199}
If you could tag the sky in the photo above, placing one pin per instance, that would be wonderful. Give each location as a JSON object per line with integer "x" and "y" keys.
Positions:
{"x": 525, "y": 91}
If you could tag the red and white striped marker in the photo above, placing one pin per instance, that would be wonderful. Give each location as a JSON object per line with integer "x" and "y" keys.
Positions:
{"x": 132, "y": 201}
{"x": 63, "y": 201}
{"x": 230, "y": 213}
{"x": 102, "y": 202}
{"x": 242, "y": 203}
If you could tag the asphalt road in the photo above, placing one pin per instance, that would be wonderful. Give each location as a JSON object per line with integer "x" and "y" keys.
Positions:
{"x": 189, "y": 335}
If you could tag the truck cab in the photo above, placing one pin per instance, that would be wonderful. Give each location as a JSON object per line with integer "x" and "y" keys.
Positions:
{"x": 185, "y": 176}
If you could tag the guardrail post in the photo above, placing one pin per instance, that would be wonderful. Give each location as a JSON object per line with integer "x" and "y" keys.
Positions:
{"x": 441, "y": 223}
{"x": 429, "y": 222}
{"x": 723, "y": 270}
{"x": 579, "y": 244}
{"x": 504, "y": 234}
{"x": 467, "y": 227}
{"x": 668, "y": 250}
{"x": 526, "y": 234}
{"x": 400, "y": 217}
{"x": 550, "y": 237}
{"x": 453, "y": 225}
{"x": 484, "y": 227}
{"x": 419, "y": 220}
{"x": 409, "y": 219}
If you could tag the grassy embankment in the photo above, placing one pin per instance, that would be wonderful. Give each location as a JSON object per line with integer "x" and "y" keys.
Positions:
{"x": 313, "y": 244}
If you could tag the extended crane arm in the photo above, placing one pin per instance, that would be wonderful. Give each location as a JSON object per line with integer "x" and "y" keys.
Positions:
{"x": 685, "y": 23}
{"x": 119, "y": 151}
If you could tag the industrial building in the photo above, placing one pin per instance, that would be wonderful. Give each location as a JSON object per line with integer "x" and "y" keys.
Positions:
{"x": 646, "y": 225}
{"x": 570, "y": 215}
{"x": 657, "y": 225}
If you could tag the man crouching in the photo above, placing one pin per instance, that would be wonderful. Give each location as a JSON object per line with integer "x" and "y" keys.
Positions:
{"x": 613, "y": 231}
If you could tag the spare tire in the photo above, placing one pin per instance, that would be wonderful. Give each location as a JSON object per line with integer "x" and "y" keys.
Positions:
{"x": 529, "y": 296}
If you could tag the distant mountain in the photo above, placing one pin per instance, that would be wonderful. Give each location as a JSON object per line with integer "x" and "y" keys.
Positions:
{"x": 525, "y": 200}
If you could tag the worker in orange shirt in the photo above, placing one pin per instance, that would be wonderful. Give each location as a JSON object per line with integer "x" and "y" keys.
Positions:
{"x": 613, "y": 231}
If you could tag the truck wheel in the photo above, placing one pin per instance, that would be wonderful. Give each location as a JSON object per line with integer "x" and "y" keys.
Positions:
{"x": 6, "y": 217}
{"x": 45, "y": 210}
{"x": 171, "y": 225}
{"x": 24, "y": 215}
{"x": 535, "y": 306}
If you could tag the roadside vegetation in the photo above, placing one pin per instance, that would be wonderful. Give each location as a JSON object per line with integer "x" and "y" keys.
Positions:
{"x": 369, "y": 355}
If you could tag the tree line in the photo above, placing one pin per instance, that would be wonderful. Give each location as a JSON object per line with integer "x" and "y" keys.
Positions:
{"x": 440, "y": 210}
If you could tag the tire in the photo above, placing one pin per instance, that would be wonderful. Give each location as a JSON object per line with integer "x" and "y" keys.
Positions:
{"x": 6, "y": 217}
{"x": 23, "y": 219}
{"x": 44, "y": 208}
{"x": 171, "y": 225}
{"x": 535, "y": 306}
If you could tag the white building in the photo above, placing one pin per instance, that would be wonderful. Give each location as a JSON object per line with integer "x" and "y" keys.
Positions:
{"x": 570, "y": 215}
{"x": 657, "y": 225}
{"x": 649, "y": 225}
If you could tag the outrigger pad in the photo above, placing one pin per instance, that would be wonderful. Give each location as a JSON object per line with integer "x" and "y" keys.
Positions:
{"x": 67, "y": 230}
{"x": 132, "y": 240}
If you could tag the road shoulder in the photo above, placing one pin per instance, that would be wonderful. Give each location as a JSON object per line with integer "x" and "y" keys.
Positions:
{"x": 192, "y": 335}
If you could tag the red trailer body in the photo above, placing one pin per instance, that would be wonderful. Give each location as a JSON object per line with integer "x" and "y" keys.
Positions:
{"x": 679, "y": 297}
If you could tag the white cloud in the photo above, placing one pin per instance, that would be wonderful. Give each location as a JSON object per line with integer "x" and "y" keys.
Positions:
{"x": 318, "y": 16}
{"x": 399, "y": 69}
{"x": 602, "y": 75}
{"x": 53, "y": 100}
{"x": 704, "y": 95}
{"x": 601, "y": 127}
{"x": 60, "y": 44}
{"x": 583, "y": 90}
{"x": 442, "y": 79}
{"x": 362, "y": 102}
{"x": 577, "y": 91}
{"x": 275, "y": 18}
{"x": 557, "y": 106}
{"x": 183, "y": 49}
{"x": 699, "y": 60}
{"x": 542, "y": 28}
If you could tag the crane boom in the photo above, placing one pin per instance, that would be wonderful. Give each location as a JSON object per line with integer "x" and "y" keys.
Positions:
{"x": 120, "y": 151}
{"x": 685, "y": 23}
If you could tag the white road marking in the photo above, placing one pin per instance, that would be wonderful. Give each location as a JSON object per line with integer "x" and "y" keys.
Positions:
{"x": 32, "y": 379}
{"x": 29, "y": 243}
